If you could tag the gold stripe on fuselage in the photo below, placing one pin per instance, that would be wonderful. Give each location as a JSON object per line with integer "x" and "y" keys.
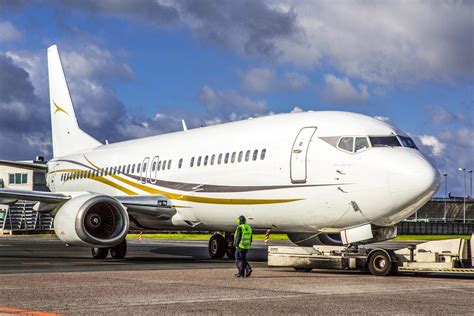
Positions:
{"x": 197, "y": 199}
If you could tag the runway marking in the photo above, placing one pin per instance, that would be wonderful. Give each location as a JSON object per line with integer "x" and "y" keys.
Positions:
{"x": 15, "y": 311}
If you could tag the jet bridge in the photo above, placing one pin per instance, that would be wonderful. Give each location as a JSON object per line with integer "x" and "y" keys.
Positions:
{"x": 454, "y": 256}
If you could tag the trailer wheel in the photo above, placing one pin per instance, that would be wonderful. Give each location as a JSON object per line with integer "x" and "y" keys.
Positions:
{"x": 303, "y": 269}
{"x": 381, "y": 264}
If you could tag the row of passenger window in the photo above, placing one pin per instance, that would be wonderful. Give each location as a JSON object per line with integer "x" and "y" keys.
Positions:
{"x": 166, "y": 165}
{"x": 225, "y": 158}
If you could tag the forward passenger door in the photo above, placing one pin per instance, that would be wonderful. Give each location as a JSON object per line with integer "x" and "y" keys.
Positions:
{"x": 299, "y": 153}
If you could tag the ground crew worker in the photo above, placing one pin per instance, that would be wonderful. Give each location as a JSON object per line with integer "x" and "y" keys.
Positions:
{"x": 242, "y": 243}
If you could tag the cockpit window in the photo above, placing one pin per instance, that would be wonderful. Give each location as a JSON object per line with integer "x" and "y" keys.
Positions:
{"x": 361, "y": 143}
{"x": 384, "y": 141}
{"x": 346, "y": 143}
{"x": 407, "y": 142}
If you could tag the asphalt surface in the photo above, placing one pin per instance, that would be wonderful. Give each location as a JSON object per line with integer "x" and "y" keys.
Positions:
{"x": 177, "y": 277}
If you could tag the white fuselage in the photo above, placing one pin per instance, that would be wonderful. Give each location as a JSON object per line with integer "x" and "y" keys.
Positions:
{"x": 304, "y": 183}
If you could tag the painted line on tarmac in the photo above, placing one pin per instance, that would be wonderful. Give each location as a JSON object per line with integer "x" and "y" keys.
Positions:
{"x": 15, "y": 311}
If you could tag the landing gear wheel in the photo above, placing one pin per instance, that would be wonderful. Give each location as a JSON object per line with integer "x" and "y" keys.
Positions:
{"x": 230, "y": 252}
{"x": 217, "y": 246}
{"x": 99, "y": 253}
{"x": 381, "y": 264}
{"x": 303, "y": 269}
{"x": 119, "y": 251}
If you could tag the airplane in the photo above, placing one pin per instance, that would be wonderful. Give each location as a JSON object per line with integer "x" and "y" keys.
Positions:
{"x": 323, "y": 177}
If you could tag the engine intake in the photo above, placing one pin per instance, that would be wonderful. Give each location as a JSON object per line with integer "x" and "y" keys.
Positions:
{"x": 92, "y": 220}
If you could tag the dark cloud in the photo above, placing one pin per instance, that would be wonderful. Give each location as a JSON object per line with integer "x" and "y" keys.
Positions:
{"x": 149, "y": 10}
{"x": 248, "y": 26}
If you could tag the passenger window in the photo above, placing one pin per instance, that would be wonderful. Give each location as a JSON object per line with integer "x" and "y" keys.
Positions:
{"x": 233, "y": 157}
{"x": 205, "y": 160}
{"x": 199, "y": 161}
{"x": 220, "y": 159}
{"x": 138, "y": 167}
{"x": 346, "y": 143}
{"x": 255, "y": 155}
{"x": 133, "y": 168}
{"x": 192, "y": 162}
{"x": 241, "y": 154}
{"x": 247, "y": 155}
{"x": 144, "y": 167}
{"x": 128, "y": 169}
{"x": 361, "y": 143}
{"x": 159, "y": 165}
{"x": 169, "y": 164}
{"x": 180, "y": 163}
{"x": 212, "y": 159}
{"x": 226, "y": 159}
{"x": 262, "y": 155}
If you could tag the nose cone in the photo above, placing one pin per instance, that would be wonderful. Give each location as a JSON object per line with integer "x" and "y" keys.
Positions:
{"x": 412, "y": 181}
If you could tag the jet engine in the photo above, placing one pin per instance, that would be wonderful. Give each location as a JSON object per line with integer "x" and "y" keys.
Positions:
{"x": 309, "y": 240}
{"x": 91, "y": 220}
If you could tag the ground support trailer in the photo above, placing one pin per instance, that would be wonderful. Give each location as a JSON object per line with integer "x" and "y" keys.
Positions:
{"x": 441, "y": 256}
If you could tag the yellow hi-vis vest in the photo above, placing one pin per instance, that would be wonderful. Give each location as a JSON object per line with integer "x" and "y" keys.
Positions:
{"x": 246, "y": 237}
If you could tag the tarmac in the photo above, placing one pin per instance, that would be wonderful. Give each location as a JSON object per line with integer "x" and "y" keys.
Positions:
{"x": 177, "y": 277}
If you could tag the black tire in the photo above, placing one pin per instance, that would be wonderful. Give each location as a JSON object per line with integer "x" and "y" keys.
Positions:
{"x": 119, "y": 251}
{"x": 99, "y": 253}
{"x": 381, "y": 264}
{"x": 217, "y": 246}
{"x": 230, "y": 252}
{"x": 303, "y": 269}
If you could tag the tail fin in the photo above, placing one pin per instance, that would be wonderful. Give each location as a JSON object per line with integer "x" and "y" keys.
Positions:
{"x": 68, "y": 138}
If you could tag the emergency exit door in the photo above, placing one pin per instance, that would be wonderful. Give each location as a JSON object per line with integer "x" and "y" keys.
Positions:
{"x": 299, "y": 153}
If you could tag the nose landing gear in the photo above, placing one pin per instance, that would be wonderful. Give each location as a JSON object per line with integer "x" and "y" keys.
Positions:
{"x": 220, "y": 245}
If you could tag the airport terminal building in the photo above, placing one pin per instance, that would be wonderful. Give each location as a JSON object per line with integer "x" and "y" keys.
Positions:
{"x": 20, "y": 216}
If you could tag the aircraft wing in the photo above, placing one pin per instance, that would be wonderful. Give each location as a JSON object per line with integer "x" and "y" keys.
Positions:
{"x": 25, "y": 165}
{"x": 8, "y": 196}
{"x": 151, "y": 205}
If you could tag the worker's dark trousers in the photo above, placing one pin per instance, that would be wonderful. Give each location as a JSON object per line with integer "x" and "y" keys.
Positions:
{"x": 241, "y": 261}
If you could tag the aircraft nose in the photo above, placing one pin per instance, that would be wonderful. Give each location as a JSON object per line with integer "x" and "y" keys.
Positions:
{"x": 413, "y": 179}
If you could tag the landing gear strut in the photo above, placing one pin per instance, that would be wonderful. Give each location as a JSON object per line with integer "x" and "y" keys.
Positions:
{"x": 117, "y": 252}
{"x": 222, "y": 245}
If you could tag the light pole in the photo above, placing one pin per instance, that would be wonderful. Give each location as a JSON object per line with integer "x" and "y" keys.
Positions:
{"x": 445, "y": 175}
{"x": 464, "y": 199}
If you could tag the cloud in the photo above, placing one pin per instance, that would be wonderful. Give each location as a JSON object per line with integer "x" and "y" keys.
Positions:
{"x": 436, "y": 146}
{"x": 248, "y": 27}
{"x": 258, "y": 79}
{"x": 388, "y": 42}
{"x": 341, "y": 91}
{"x": 148, "y": 10}
{"x": 261, "y": 80}
{"x": 230, "y": 103}
{"x": 8, "y": 33}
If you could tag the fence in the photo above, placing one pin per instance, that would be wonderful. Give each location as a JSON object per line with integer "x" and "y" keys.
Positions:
{"x": 20, "y": 217}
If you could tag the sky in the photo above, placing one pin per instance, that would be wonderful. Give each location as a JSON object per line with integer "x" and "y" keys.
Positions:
{"x": 136, "y": 68}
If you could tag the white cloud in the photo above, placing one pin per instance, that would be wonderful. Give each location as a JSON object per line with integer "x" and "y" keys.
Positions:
{"x": 8, "y": 32}
{"x": 295, "y": 81}
{"x": 341, "y": 91}
{"x": 258, "y": 79}
{"x": 436, "y": 146}
{"x": 230, "y": 103}
{"x": 385, "y": 42}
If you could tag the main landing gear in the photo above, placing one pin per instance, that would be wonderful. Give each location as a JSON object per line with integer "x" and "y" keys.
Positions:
{"x": 220, "y": 245}
{"x": 117, "y": 252}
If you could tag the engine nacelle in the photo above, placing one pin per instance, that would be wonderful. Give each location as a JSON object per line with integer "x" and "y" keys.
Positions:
{"x": 309, "y": 240}
{"x": 91, "y": 220}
